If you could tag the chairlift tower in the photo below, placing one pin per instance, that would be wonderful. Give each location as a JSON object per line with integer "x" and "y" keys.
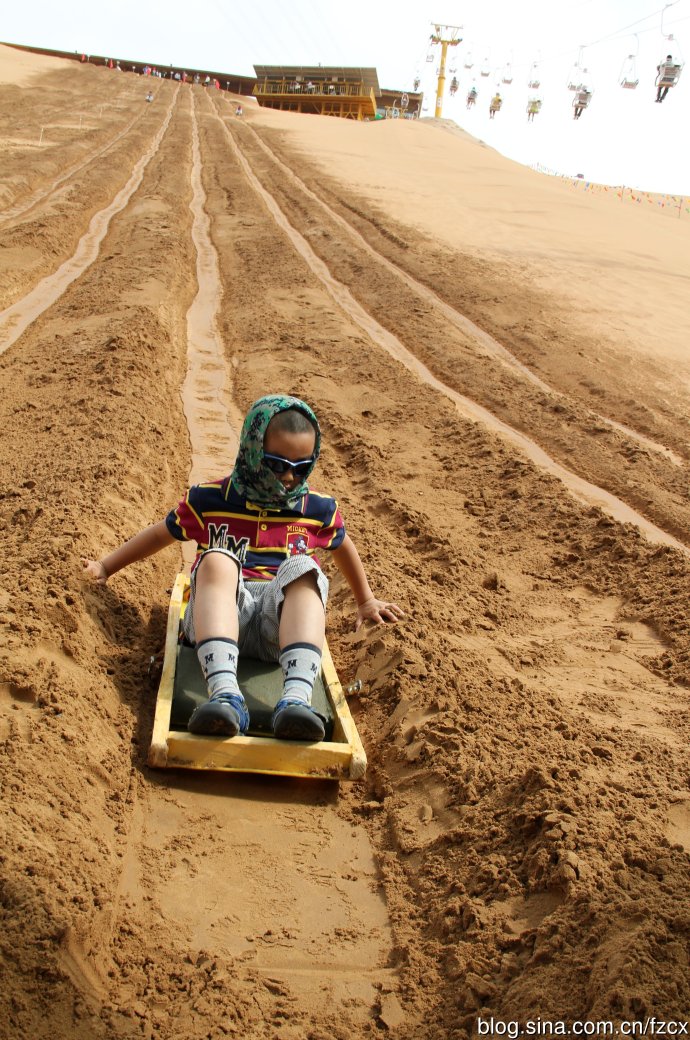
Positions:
{"x": 447, "y": 36}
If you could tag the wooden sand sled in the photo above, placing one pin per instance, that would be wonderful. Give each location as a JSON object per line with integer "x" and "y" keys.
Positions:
{"x": 340, "y": 756}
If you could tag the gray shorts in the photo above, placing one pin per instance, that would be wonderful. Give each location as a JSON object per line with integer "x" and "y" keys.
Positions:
{"x": 259, "y": 604}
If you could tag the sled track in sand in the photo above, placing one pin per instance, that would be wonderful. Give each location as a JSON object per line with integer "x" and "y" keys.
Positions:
{"x": 213, "y": 426}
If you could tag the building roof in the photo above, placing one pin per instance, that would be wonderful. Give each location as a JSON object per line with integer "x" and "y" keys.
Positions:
{"x": 321, "y": 72}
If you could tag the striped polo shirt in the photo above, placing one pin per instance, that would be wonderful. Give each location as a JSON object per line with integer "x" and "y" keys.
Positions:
{"x": 214, "y": 515}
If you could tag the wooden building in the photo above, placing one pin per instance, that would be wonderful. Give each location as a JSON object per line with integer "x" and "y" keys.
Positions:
{"x": 322, "y": 90}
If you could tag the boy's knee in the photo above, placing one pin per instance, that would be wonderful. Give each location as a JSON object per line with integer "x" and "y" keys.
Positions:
{"x": 295, "y": 567}
{"x": 213, "y": 565}
{"x": 307, "y": 580}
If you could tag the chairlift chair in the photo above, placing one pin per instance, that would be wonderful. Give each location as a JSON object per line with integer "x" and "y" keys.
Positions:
{"x": 454, "y": 85}
{"x": 628, "y": 76}
{"x": 669, "y": 74}
{"x": 533, "y": 81}
{"x": 575, "y": 80}
{"x": 485, "y": 69}
{"x": 582, "y": 97}
{"x": 670, "y": 66}
{"x": 507, "y": 75}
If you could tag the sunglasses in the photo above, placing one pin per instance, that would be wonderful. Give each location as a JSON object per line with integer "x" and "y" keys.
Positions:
{"x": 278, "y": 465}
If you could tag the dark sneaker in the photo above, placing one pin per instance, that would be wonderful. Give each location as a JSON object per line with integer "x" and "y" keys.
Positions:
{"x": 295, "y": 720}
{"x": 223, "y": 716}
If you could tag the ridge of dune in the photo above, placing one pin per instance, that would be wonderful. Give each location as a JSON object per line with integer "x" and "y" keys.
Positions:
{"x": 20, "y": 68}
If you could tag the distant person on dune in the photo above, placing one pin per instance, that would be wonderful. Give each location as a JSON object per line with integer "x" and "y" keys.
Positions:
{"x": 257, "y": 587}
{"x": 239, "y": 111}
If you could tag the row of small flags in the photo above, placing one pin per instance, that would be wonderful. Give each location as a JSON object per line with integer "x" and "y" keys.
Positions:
{"x": 676, "y": 202}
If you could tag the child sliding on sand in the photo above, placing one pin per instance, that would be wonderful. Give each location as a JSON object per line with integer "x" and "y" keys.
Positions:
{"x": 256, "y": 587}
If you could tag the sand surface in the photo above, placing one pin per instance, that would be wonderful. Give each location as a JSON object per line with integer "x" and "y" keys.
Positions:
{"x": 500, "y": 368}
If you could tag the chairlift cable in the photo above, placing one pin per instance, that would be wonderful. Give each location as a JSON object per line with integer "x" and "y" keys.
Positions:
{"x": 632, "y": 24}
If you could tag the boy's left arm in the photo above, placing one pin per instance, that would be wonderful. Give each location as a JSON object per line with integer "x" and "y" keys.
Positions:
{"x": 369, "y": 608}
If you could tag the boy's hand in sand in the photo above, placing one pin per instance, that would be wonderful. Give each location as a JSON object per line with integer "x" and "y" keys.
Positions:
{"x": 378, "y": 611}
{"x": 95, "y": 570}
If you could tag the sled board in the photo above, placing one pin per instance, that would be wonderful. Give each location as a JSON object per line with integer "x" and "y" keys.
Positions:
{"x": 340, "y": 756}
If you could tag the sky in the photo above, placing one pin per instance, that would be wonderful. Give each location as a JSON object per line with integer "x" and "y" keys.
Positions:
{"x": 623, "y": 137}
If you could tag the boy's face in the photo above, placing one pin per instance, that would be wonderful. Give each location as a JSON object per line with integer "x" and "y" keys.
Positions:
{"x": 293, "y": 446}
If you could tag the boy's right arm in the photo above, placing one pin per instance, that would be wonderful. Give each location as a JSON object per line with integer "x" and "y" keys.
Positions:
{"x": 149, "y": 541}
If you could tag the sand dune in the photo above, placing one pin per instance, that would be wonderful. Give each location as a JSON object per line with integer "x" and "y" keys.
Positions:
{"x": 519, "y": 847}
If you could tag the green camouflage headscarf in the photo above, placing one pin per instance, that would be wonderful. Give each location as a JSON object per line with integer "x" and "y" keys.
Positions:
{"x": 251, "y": 477}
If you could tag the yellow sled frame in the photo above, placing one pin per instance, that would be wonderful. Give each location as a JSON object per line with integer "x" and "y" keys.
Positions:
{"x": 342, "y": 758}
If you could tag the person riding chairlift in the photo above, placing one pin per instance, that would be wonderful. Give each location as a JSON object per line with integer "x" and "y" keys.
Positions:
{"x": 495, "y": 105}
{"x": 667, "y": 75}
{"x": 581, "y": 101}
